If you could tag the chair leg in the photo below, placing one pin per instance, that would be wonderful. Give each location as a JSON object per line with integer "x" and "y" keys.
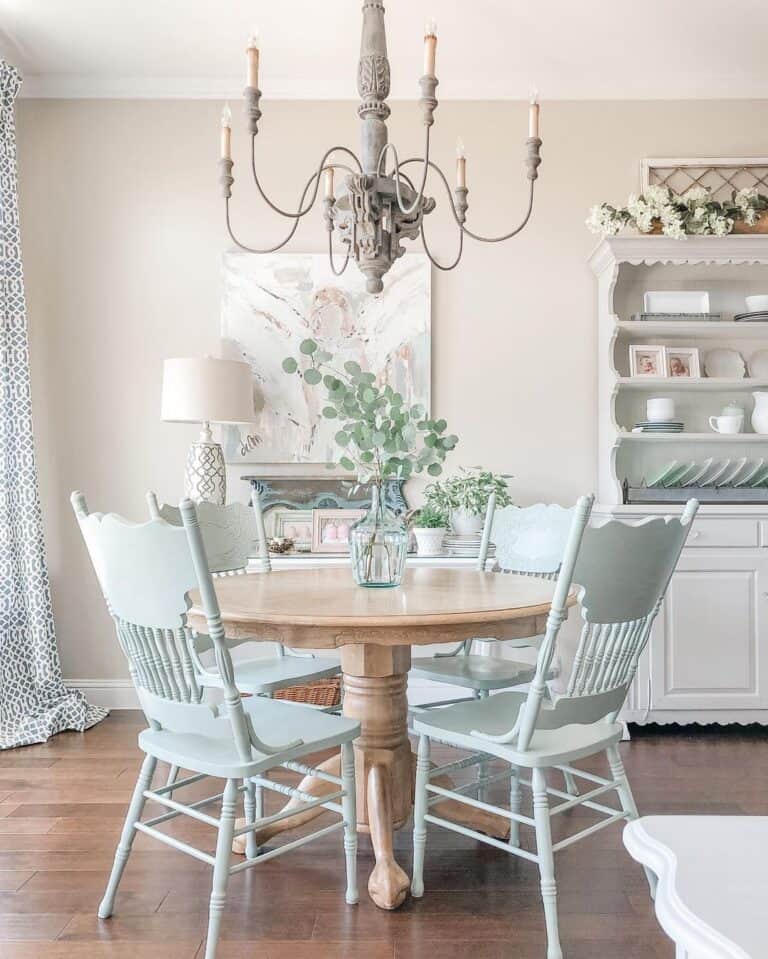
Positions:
{"x": 570, "y": 784}
{"x": 514, "y": 805}
{"x": 627, "y": 801}
{"x": 221, "y": 867}
{"x": 249, "y": 806}
{"x": 349, "y": 810}
{"x": 123, "y": 850}
{"x": 483, "y": 766}
{"x": 419, "y": 812}
{"x": 173, "y": 775}
{"x": 546, "y": 862}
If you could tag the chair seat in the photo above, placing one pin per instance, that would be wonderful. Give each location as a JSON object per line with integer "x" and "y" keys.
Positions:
{"x": 275, "y": 722}
{"x": 473, "y": 672}
{"x": 275, "y": 672}
{"x": 496, "y": 715}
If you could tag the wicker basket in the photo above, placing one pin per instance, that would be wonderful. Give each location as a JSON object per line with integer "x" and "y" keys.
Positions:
{"x": 320, "y": 692}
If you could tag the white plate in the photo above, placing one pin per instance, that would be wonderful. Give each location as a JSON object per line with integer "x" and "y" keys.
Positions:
{"x": 751, "y": 473}
{"x": 659, "y": 478}
{"x": 715, "y": 473}
{"x": 673, "y": 478}
{"x": 676, "y": 301}
{"x": 758, "y": 365}
{"x": 694, "y": 480}
{"x": 724, "y": 363}
{"x": 760, "y": 479}
{"x": 730, "y": 476}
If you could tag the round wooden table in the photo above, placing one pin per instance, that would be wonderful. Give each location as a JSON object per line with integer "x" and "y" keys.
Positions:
{"x": 375, "y": 629}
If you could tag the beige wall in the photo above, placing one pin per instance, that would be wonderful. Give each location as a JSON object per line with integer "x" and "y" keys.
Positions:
{"x": 123, "y": 230}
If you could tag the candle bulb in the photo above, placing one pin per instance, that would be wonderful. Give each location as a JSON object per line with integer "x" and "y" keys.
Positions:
{"x": 226, "y": 133}
{"x": 533, "y": 115}
{"x": 329, "y": 183}
{"x": 252, "y": 55}
{"x": 461, "y": 164}
{"x": 430, "y": 45}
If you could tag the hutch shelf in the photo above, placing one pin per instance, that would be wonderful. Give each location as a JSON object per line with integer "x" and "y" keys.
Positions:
{"x": 707, "y": 661}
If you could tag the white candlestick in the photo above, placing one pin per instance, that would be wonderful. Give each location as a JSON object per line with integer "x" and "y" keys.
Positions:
{"x": 430, "y": 46}
{"x": 533, "y": 115}
{"x": 226, "y": 133}
{"x": 461, "y": 164}
{"x": 329, "y": 183}
{"x": 252, "y": 55}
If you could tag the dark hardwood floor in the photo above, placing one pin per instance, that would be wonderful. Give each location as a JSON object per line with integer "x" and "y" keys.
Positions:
{"x": 62, "y": 805}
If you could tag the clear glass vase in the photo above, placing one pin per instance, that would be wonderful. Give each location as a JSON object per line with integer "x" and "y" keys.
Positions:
{"x": 378, "y": 544}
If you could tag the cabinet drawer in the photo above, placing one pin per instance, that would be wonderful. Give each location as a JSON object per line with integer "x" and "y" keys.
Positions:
{"x": 724, "y": 532}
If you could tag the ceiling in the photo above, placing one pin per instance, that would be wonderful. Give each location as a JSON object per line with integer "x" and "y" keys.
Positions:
{"x": 487, "y": 49}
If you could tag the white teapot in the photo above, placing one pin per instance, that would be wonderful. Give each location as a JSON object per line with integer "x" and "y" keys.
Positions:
{"x": 760, "y": 412}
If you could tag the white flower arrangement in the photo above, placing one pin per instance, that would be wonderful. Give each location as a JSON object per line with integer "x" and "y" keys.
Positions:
{"x": 694, "y": 213}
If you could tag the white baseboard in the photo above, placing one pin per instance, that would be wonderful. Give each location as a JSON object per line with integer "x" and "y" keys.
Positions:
{"x": 120, "y": 693}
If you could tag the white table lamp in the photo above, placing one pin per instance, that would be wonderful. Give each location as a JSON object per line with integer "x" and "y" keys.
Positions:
{"x": 206, "y": 390}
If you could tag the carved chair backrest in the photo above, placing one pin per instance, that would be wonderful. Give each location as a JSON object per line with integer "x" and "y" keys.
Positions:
{"x": 147, "y": 570}
{"x": 229, "y": 532}
{"x": 529, "y": 540}
{"x": 622, "y": 572}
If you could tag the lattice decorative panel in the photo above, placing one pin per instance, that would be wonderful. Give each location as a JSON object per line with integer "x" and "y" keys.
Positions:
{"x": 720, "y": 175}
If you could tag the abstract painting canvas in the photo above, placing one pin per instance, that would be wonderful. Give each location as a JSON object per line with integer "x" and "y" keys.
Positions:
{"x": 273, "y": 302}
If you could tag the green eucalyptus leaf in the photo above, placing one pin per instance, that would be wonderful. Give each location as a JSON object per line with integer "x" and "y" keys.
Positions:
{"x": 307, "y": 347}
{"x": 368, "y": 395}
{"x": 435, "y": 469}
{"x": 367, "y": 456}
{"x": 329, "y": 413}
{"x": 290, "y": 365}
{"x": 440, "y": 426}
{"x": 312, "y": 376}
{"x": 417, "y": 412}
{"x": 342, "y": 438}
{"x": 347, "y": 463}
{"x": 352, "y": 368}
{"x": 323, "y": 356}
{"x": 430, "y": 440}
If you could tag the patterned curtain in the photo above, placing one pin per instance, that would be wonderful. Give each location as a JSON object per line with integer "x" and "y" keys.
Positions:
{"x": 34, "y": 703}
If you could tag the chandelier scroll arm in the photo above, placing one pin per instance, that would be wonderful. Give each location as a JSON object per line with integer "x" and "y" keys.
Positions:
{"x": 322, "y": 166}
{"x": 407, "y": 210}
{"x": 445, "y": 267}
{"x": 278, "y": 246}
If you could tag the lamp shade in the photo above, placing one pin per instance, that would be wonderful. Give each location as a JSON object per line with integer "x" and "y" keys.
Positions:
{"x": 206, "y": 390}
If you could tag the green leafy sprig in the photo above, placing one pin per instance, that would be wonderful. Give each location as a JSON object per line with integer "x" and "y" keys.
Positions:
{"x": 379, "y": 435}
{"x": 470, "y": 490}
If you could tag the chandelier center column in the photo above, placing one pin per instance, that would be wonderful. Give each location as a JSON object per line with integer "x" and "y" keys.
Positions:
{"x": 373, "y": 85}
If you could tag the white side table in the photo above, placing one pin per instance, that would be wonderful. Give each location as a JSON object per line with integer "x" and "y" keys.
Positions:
{"x": 712, "y": 897}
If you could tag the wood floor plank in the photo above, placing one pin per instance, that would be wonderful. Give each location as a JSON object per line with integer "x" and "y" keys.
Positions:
{"x": 62, "y": 804}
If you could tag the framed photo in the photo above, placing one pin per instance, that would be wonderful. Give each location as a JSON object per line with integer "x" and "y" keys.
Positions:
{"x": 330, "y": 529}
{"x": 647, "y": 360}
{"x": 295, "y": 524}
{"x": 683, "y": 361}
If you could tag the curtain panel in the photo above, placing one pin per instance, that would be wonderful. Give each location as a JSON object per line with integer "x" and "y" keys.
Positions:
{"x": 34, "y": 702}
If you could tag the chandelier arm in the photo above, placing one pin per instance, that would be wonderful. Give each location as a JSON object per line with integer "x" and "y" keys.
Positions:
{"x": 442, "y": 266}
{"x": 476, "y": 236}
{"x": 279, "y": 246}
{"x": 406, "y": 210}
{"x": 330, "y": 258}
{"x": 301, "y": 212}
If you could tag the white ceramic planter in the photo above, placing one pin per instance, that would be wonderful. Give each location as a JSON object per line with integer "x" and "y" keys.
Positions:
{"x": 429, "y": 540}
{"x": 465, "y": 523}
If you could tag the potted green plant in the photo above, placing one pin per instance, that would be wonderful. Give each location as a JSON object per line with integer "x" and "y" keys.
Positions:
{"x": 380, "y": 437}
{"x": 429, "y": 526}
{"x": 464, "y": 497}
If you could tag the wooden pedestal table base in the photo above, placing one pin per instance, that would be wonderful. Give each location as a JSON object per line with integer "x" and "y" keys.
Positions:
{"x": 375, "y": 630}
{"x": 375, "y": 682}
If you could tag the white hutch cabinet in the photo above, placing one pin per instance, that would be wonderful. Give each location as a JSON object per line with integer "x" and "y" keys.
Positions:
{"x": 707, "y": 661}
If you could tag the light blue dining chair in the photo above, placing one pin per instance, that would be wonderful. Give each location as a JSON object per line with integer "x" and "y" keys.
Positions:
{"x": 230, "y": 534}
{"x": 623, "y": 572}
{"x": 146, "y": 571}
{"x": 529, "y": 541}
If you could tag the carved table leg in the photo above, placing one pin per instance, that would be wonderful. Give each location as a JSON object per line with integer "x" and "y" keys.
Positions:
{"x": 375, "y": 680}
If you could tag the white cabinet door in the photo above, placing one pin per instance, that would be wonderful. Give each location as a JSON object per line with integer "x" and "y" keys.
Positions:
{"x": 706, "y": 646}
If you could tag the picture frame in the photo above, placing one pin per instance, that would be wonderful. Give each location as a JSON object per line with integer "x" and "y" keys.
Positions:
{"x": 330, "y": 529}
{"x": 682, "y": 362}
{"x": 295, "y": 524}
{"x": 647, "y": 360}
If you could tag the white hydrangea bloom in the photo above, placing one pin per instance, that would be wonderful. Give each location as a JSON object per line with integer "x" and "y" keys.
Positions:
{"x": 602, "y": 220}
{"x": 697, "y": 194}
{"x": 720, "y": 225}
{"x": 745, "y": 198}
{"x": 751, "y": 216}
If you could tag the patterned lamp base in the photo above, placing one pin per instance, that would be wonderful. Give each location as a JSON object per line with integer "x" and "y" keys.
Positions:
{"x": 205, "y": 476}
